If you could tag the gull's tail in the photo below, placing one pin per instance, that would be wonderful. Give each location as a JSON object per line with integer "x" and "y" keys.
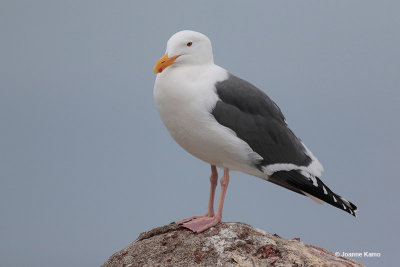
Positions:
{"x": 311, "y": 186}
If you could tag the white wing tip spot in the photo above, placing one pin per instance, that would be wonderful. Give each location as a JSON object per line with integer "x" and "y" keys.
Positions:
{"x": 325, "y": 192}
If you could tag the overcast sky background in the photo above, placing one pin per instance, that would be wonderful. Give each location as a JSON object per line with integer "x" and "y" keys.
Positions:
{"x": 86, "y": 164}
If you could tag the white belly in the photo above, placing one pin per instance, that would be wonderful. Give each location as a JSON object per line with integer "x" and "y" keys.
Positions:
{"x": 184, "y": 107}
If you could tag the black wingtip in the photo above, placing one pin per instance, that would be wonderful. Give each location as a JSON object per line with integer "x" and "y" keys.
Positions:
{"x": 297, "y": 182}
{"x": 351, "y": 208}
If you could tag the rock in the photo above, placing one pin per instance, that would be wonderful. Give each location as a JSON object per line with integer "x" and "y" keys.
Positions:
{"x": 227, "y": 244}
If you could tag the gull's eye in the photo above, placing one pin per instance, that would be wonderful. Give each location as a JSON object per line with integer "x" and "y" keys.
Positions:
{"x": 189, "y": 44}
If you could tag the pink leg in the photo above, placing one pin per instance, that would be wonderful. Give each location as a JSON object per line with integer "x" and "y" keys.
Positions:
{"x": 201, "y": 224}
{"x": 210, "y": 210}
{"x": 213, "y": 183}
{"x": 224, "y": 187}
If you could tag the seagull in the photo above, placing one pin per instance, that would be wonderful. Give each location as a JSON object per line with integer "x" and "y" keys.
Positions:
{"x": 231, "y": 124}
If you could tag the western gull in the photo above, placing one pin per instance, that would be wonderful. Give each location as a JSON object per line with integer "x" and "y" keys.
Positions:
{"x": 229, "y": 123}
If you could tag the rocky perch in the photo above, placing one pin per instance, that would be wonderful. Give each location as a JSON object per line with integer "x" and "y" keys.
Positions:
{"x": 227, "y": 244}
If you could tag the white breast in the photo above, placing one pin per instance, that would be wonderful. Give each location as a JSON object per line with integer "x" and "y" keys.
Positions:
{"x": 184, "y": 98}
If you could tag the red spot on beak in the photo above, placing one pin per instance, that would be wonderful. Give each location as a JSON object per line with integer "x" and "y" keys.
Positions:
{"x": 163, "y": 63}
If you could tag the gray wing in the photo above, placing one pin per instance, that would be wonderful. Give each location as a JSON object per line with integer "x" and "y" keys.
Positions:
{"x": 258, "y": 121}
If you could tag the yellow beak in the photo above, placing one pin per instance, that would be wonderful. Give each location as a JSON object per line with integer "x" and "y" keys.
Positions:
{"x": 164, "y": 62}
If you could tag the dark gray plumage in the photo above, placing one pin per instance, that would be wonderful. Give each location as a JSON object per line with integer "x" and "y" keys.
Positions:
{"x": 257, "y": 120}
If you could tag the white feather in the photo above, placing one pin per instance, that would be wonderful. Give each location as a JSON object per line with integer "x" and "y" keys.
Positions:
{"x": 184, "y": 94}
{"x": 319, "y": 201}
{"x": 184, "y": 98}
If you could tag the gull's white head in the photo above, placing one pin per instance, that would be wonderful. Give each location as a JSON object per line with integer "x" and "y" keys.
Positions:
{"x": 186, "y": 48}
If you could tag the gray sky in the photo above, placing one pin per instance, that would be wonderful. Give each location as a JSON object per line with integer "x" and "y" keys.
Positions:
{"x": 86, "y": 164}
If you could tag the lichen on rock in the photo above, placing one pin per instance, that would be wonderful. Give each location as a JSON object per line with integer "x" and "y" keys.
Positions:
{"x": 226, "y": 244}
